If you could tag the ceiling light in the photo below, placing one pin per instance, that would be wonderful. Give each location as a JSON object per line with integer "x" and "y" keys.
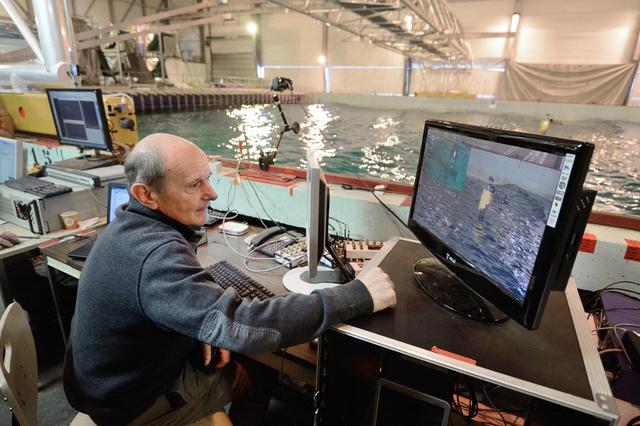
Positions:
{"x": 322, "y": 59}
{"x": 252, "y": 28}
{"x": 515, "y": 20}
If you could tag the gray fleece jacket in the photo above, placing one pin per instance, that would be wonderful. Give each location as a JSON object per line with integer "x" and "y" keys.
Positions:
{"x": 144, "y": 301}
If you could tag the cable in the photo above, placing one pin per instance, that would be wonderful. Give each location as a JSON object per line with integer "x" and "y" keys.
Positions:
{"x": 607, "y": 351}
{"x": 596, "y": 293}
{"x": 634, "y": 421}
{"x": 389, "y": 209}
{"x": 486, "y": 395}
{"x": 620, "y": 345}
{"x": 96, "y": 198}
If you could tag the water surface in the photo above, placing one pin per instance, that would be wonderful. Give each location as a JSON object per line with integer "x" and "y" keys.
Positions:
{"x": 385, "y": 144}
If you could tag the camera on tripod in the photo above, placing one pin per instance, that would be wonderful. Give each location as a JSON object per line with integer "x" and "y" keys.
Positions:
{"x": 278, "y": 84}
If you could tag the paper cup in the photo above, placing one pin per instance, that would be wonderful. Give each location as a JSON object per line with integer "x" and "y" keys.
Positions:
{"x": 69, "y": 219}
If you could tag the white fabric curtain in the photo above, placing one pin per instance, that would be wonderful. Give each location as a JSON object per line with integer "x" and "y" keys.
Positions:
{"x": 474, "y": 82}
{"x": 567, "y": 83}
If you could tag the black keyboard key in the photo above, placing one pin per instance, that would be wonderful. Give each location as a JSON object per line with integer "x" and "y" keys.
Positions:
{"x": 226, "y": 275}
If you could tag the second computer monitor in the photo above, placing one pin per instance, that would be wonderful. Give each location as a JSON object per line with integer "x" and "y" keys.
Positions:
{"x": 118, "y": 195}
{"x": 80, "y": 118}
{"x": 12, "y": 162}
{"x": 318, "y": 213}
{"x": 313, "y": 276}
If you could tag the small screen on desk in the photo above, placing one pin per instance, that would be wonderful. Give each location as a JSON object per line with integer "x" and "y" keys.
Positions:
{"x": 118, "y": 195}
{"x": 398, "y": 405}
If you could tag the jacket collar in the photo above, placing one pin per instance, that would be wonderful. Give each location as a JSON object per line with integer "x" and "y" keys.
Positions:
{"x": 190, "y": 233}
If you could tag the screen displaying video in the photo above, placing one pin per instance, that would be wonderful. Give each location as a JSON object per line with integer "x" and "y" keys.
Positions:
{"x": 490, "y": 203}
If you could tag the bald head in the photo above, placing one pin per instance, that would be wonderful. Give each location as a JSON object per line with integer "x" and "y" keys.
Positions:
{"x": 155, "y": 156}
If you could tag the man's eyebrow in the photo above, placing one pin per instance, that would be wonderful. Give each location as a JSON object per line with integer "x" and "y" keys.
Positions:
{"x": 200, "y": 178}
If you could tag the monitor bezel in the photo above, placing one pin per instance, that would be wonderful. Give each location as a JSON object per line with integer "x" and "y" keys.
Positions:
{"x": 554, "y": 240}
{"x": 105, "y": 128}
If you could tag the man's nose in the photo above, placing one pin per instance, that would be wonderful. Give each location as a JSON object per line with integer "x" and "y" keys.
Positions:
{"x": 211, "y": 193}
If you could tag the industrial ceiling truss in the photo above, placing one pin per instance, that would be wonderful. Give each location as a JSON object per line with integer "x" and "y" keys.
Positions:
{"x": 424, "y": 30}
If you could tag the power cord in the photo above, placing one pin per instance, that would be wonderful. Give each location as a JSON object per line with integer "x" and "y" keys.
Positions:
{"x": 350, "y": 187}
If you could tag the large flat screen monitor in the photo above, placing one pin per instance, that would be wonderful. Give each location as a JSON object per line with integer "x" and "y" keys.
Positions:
{"x": 498, "y": 211}
{"x": 80, "y": 118}
{"x": 12, "y": 164}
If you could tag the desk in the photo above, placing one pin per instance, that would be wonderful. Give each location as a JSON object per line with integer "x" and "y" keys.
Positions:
{"x": 26, "y": 245}
{"x": 555, "y": 367}
{"x": 297, "y": 362}
{"x": 411, "y": 329}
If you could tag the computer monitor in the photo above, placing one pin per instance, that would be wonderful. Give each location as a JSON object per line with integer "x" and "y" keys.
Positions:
{"x": 313, "y": 276}
{"x": 80, "y": 120}
{"x": 12, "y": 163}
{"x": 118, "y": 195}
{"x": 317, "y": 213}
{"x": 498, "y": 210}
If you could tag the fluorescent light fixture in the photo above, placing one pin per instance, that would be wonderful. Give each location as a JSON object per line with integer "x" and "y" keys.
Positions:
{"x": 515, "y": 20}
{"x": 408, "y": 21}
{"x": 252, "y": 28}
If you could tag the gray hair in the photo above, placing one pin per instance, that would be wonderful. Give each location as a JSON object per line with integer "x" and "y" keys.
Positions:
{"x": 145, "y": 165}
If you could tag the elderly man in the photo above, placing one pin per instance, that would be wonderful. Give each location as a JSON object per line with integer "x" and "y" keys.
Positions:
{"x": 145, "y": 304}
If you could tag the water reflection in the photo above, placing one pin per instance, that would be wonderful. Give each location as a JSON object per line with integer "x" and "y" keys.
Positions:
{"x": 254, "y": 127}
{"x": 313, "y": 132}
{"x": 385, "y": 144}
{"x": 382, "y": 160}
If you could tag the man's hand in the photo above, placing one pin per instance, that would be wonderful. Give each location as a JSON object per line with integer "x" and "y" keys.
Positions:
{"x": 381, "y": 289}
{"x": 7, "y": 238}
{"x": 210, "y": 354}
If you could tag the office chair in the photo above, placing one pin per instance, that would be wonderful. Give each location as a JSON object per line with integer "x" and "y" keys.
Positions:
{"x": 19, "y": 368}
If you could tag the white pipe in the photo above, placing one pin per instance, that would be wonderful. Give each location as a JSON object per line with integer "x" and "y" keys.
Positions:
{"x": 52, "y": 29}
{"x": 13, "y": 12}
{"x": 55, "y": 43}
{"x": 34, "y": 73}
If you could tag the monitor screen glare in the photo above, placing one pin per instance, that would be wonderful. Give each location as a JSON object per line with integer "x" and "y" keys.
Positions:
{"x": 490, "y": 203}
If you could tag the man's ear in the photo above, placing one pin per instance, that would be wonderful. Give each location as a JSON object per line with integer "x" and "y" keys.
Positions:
{"x": 145, "y": 195}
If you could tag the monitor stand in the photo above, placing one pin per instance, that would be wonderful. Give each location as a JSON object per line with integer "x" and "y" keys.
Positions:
{"x": 298, "y": 280}
{"x": 448, "y": 290}
{"x": 295, "y": 281}
{"x": 88, "y": 162}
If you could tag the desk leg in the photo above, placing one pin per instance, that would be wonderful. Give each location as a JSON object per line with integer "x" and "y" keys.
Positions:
{"x": 55, "y": 292}
{"x": 5, "y": 294}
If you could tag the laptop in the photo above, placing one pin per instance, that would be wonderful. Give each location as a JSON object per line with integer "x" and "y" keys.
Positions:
{"x": 118, "y": 195}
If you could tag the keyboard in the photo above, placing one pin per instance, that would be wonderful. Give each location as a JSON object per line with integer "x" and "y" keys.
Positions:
{"x": 39, "y": 187}
{"x": 226, "y": 275}
{"x": 274, "y": 247}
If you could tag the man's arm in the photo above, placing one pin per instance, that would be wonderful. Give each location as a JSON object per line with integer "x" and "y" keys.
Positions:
{"x": 176, "y": 293}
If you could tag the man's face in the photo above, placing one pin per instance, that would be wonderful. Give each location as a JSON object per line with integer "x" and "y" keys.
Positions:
{"x": 186, "y": 190}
